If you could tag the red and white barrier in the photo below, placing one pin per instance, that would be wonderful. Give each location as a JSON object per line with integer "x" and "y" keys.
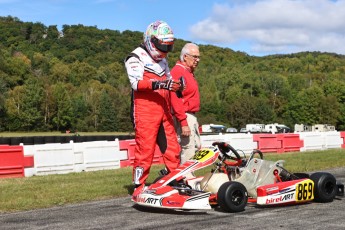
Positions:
{"x": 11, "y": 161}
{"x": 30, "y": 160}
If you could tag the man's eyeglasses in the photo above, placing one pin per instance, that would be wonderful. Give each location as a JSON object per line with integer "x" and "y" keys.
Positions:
{"x": 193, "y": 56}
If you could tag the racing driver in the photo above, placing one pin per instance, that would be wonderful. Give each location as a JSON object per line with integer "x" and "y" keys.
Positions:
{"x": 150, "y": 79}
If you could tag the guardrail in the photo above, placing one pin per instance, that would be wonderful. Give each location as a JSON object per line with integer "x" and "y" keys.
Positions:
{"x": 54, "y": 158}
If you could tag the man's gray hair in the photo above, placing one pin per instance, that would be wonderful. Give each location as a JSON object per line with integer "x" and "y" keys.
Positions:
{"x": 186, "y": 49}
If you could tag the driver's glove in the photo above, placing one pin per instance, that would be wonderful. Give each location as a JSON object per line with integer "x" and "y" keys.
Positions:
{"x": 166, "y": 84}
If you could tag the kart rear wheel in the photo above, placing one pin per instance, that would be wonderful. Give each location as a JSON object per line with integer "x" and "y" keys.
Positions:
{"x": 325, "y": 186}
{"x": 232, "y": 196}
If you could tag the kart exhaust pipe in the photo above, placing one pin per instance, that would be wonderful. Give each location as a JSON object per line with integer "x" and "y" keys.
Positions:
{"x": 340, "y": 189}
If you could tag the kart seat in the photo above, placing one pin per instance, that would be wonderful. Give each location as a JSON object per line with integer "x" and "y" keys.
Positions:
{"x": 258, "y": 173}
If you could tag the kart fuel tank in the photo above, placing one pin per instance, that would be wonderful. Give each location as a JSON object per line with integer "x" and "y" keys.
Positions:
{"x": 213, "y": 182}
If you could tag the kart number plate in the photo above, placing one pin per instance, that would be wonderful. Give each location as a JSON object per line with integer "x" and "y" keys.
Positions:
{"x": 304, "y": 191}
{"x": 203, "y": 155}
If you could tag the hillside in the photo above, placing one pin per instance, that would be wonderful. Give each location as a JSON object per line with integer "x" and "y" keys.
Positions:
{"x": 75, "y": 79}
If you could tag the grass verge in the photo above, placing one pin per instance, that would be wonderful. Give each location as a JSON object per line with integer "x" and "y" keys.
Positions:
{"x": 19, "y": 194}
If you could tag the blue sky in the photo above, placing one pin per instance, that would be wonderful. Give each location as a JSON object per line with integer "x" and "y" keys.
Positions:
{"x": 256, "y": 27}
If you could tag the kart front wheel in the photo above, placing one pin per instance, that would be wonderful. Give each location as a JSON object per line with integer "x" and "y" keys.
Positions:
{"x": 325, "y": 186}
{"x": 232, "y": 196}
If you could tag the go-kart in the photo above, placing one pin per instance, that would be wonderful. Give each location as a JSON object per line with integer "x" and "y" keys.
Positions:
{"x": 235, "y": 181}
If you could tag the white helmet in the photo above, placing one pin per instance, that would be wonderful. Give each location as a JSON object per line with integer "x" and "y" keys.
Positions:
{"x": 158, "y": 39}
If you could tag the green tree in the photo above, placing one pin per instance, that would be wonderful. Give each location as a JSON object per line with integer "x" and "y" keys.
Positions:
{"x": 14, "y": 103}
{"x": 24, "y": 106}
{"x": 81, "y": 72}
{"x": 107, "y": 113}
{"x": 80, "y": 112}
{"x": 305, "y": 108}
{"x": 32, "y": 116}
{"x": 63, "y": 110}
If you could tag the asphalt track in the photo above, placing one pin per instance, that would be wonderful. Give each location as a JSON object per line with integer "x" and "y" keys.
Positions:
{"x": 120, "y": 213}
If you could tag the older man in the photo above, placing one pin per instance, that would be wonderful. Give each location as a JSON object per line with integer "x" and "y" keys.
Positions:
{"x": 187, "y": 103}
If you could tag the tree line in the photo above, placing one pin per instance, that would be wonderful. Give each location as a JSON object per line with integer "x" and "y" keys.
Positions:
{"x": 75, "y": 79}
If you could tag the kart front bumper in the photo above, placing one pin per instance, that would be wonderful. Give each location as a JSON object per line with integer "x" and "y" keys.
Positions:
{"x": 174, "y": 200}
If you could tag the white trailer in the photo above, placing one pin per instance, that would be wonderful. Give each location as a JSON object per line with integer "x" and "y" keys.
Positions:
{"x": 277, "y": 128}
{"x": 302, "y": 128}
{"x": 314, "y": 128}
{"x": 255, "y": 128}
{"x": 323, "y": 128}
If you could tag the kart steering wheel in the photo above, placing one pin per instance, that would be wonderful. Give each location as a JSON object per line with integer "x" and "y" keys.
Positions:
{"x": 225, "y": 148}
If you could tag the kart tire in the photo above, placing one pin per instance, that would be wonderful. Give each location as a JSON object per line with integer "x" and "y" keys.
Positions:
{"x": 232, "y": 196}
{"x": 325, "y": 187}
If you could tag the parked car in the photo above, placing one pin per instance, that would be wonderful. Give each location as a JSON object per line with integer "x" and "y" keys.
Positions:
{"x": 231, "y": 130}
{"x": 243, "y": 130}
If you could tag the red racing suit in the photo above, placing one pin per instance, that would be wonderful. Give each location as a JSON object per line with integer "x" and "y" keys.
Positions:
{"x": 151, "y": 114}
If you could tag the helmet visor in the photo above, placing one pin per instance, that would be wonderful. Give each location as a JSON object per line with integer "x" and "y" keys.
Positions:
{"x": 162, "y": 46}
